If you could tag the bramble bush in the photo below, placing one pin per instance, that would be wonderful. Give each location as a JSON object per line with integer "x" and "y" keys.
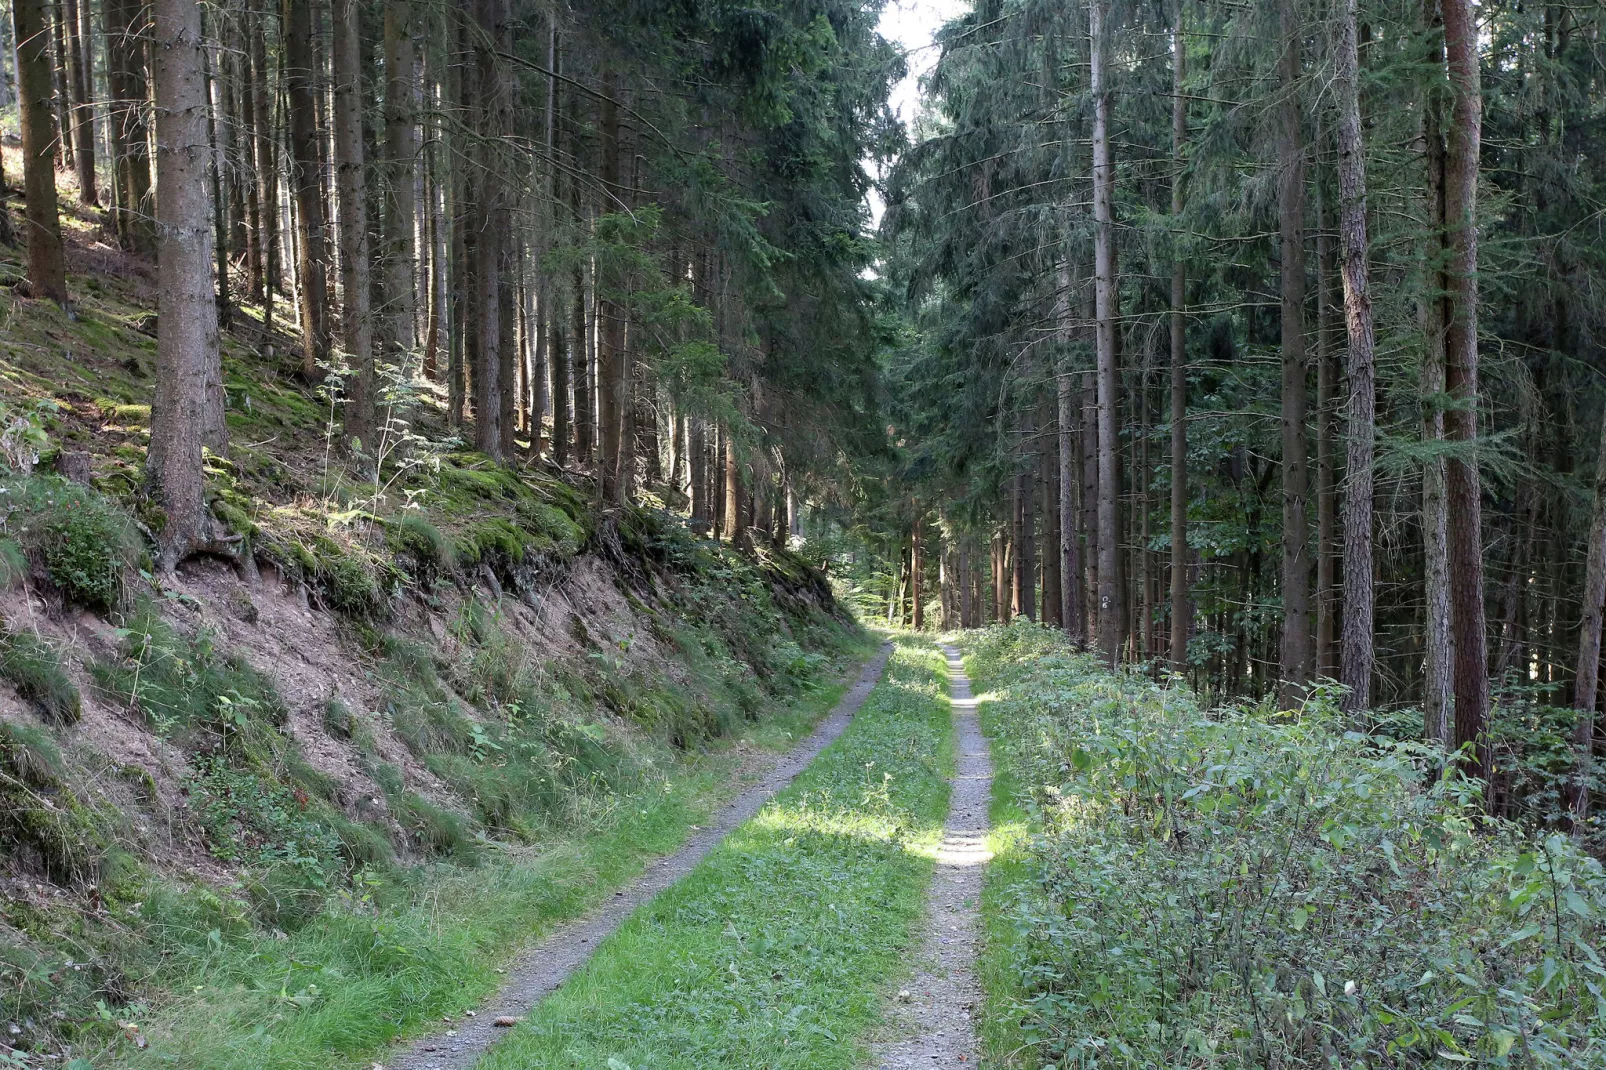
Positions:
{"x": 1234, "y": 887}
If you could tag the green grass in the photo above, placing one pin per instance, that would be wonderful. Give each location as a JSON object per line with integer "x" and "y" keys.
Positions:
{"x": 393, "y": 959}
{"x": 774, "y": 952}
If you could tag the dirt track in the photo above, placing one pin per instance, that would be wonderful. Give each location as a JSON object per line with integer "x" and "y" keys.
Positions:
{"x": 935, "y": 1010}
{"x": 549, "y": 963}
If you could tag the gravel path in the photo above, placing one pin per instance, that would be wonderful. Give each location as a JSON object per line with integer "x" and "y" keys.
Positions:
{"x": 933, "y": 1016}
{"x": 549, "y": 963}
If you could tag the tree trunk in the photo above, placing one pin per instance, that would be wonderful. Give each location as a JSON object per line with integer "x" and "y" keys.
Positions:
{"x": 1109, "y": 501}
{"x": 220, "y": 225}
{"x": 1461, "y": 384}
{"x": 490, "y": 228}
{"x": 1026, "y": 534}
{"x": 356, "y": 328}
{"x": 1073, "y": 611}
{"x": 1327, "y": 550}
{"x": 1296, "y": 639}
{"x": 580, "y": 359}
{"x": 1052, "y": 555}
{"x": 401, "y": 177}
{"x": 301, "y": 76}
{"x": 697, "y": 455}
{"x": 252, "y": 64}
{"x": 1355, "y": 665}
{"x": 917, "y": 566}
{"x": 612, "y": 389}
{"x": 1092, "y": 559}
{"x": 128, "y": 23}
{"x": 735, "y": 528}
{"x": 83, "y": 97}
{"x": 47, "y": 264}
{"x": 1438, "y": 656}
{"x": 187, "y": 334}
{"x": 62, "y": 91}
{"x": 1181, "y": 604}
{"x": 1586, "y": 685}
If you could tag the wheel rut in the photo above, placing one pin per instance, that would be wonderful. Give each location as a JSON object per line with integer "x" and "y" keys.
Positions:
{"x": 934, "y": 1015}
{"x": 550, "y": 962}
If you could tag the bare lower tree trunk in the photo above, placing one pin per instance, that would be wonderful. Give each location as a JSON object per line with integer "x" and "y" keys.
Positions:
{"x": 187, "y": 332}
{"x": 1296, "y": 639}
{"x": 1461, "y": 383}
{"x": 401, "y": 177}
{"x": 47, "y": 264}
{"x": 1073, "y": 611}
{"x": 83, "y": 97}
{"x": 300, "y": 75}
{"x": 1586, "y": 685}
{"x": 127, "y": 26}
{"x": 1053, "y": 609}
{"x": 1181, "y": 604}
{"x": 735, "y": 526}
{"x": 1026, "y": 539}
{"x": 1355, "y": 661}
{"x": 697, "y": 450}
{"x": 1438, "y": 653}
{"x": 612, "y": 388}
{"x": 917, "y": 570}
{"x": 1327, "y": 550}
{"x": 1109, "y": 502}
{"x": 1090, "y": 501}
{"x": 356, "y": 327}
{"x": 62, "y": 93}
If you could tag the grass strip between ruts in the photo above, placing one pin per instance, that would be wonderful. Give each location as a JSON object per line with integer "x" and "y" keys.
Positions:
{"x": 775, "y": 951}
{"x": 332, "y": 993}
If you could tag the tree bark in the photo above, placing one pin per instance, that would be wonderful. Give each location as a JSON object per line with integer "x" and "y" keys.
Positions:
{"x": 1296, "y": 638}
{"x": 1586, "y": 685}
{"x": 301, "y": 77}
{"x": 1073, "y": 610}
{"x": 356, "y": 327}
{"x": 62, "y": 93}
{"x": 83, "y": 100}
{"x": 1053, "y": 610}
{"x": 1026, "y": 533}
{"x": 1181, "y": 604}
{"x": 917, "y": 566}
{"x": 401, "y": 177}
{"x": 612, "y": 394}
{"x": 735, "y": 527}
{"x": 1355, "y": 664}
{"x": 1461, "y": 383}
{"x": 187, "y": 333}
{"x": 1327, "y": 549}
{"x": 47, "y": 263}
{"x": 1109, "y": 502}
{"x": 1438, "y": 655}
{"x": 1090, "y": 500}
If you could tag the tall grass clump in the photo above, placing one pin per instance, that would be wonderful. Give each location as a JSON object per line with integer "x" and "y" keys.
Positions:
{"x": 1238, "y": 887}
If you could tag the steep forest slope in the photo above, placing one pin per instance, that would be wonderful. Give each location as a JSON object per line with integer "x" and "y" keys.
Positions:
{"x": 373, "y": 695}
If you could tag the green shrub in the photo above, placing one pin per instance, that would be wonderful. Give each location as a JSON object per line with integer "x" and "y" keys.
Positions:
{"x": 74, "y": 535}
{"x": 1234, "y": 887}
{"x": 34, "y": 669}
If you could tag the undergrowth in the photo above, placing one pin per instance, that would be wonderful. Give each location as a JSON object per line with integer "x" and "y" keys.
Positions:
{"x": 1235, "y": 888}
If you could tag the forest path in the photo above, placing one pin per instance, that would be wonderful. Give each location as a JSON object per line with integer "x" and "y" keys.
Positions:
{"x": 936, "y": 1017}
{"x": 545, "y": 966}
